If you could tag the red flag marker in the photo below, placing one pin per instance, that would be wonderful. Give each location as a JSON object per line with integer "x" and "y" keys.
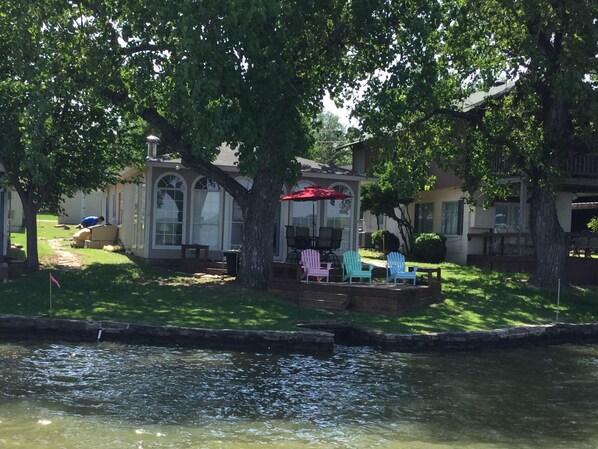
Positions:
{"x": 53, "y": 279}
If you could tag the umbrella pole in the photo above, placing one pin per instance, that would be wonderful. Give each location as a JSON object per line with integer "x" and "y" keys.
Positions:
{"x": 313, "y": 218}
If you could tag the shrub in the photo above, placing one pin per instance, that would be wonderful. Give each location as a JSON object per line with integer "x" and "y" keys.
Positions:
{"x": 593, "y": 224}
{"x": 429, "y": 248}
{"x": 384, "y": 240}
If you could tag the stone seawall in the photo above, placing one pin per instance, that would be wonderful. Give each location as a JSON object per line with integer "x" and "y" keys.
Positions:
{"x": 557, "y": 333}
{"x": 314, "y": 337}
{"x": 20, "y": 327}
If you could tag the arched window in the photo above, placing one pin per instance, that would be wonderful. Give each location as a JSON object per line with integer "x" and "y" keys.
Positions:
{"x": 206, "y": 213}
{"x": 169, "y": 211}
{"x": 238, "y": 221}
{"x": 339, "y": 214}
{"x": 303, "y": 212}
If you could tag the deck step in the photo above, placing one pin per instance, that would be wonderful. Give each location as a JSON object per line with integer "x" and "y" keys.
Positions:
{"x": 327, "y": 301}
{"x": 215, "y": 271}
{"x": 285, "y": 293}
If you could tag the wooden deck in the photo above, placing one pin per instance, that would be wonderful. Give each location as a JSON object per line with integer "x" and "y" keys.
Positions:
{"x": 378, "y": 297}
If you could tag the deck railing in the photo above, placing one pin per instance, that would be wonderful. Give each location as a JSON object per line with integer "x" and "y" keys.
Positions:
{"x": 582, "y": 166}
{"x": 578, "y": 166}
{"x": 520, "y": 244}
{"x": 505, "y": 243}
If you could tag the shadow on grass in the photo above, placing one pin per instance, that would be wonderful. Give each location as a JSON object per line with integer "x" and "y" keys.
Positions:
{"x": 475, "y": 299}
{"x": 116, "y": 287}
{"x": 141, "y": 293}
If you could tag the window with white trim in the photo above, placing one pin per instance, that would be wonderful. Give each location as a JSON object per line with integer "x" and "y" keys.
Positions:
{"x": 206, "y": 213}
{"x": 169, "y": 211}
{"x": 424, "y": 218}
{"x": 339, "y": 214}
{"x": 303, "y": 213}
{"x": 506, "y": 216}
{"x": 452, "y": 218}
{"x": 238, "y": 220}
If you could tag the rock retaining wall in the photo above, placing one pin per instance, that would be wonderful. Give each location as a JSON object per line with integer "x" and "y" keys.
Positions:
{"x": 19, "y": 327}
{"x": 557, "y": 333}
{"x": 316, "y": 337}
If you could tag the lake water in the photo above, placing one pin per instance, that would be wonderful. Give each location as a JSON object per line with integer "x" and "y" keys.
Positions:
{"x": 116, "y": 396}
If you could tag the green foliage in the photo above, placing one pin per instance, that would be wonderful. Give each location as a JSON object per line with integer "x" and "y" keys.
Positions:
{"x": 386, "y": 241}
{"x": 59, "y": 133}
{"x": 593, "y": 224}
{"x": 329, "y": 134}
{"x": 249, "y": 73}
{"x": 542, "y": 53}
{"x": 429, "y": 248}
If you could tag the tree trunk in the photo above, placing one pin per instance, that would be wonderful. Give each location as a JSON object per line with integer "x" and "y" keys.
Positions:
{"x": 260, "y": 218}
{"x": 549, "y": 240}
{"x": 404, "y": 226}
{"x": 30, "y": 213}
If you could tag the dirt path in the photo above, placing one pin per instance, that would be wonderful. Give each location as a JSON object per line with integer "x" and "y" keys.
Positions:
{"x": 63, "y": 259}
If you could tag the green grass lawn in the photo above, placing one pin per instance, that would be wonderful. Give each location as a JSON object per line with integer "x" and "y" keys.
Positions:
{"x": 113, "y": 286}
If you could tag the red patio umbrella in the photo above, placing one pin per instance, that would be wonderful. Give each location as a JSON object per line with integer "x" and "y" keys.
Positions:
{"x": 314, "y": 193}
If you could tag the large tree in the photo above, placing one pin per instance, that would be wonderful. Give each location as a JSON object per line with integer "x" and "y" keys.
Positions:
{"x": 58, "y": 135}
{"x": 426, "y": 58}
{"x": 251, "y": 73}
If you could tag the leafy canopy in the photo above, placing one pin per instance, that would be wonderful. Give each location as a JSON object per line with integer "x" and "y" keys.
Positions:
{"x": 248, "y": 73}
{"x": 435, "y": 55}
{"x": 59, "y": 134}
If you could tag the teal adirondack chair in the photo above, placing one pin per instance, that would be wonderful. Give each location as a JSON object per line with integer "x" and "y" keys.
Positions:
{"x": 396, "y": 269}
{"x": 354, "y": 268}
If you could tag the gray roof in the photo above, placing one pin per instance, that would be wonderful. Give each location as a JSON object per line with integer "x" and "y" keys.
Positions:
{"x": 478, "y": 98}
{"x": 228, "y": 159}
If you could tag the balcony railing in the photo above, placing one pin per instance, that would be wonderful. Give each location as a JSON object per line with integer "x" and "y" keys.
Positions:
{"x": 580, "y": 244}
{"x": 578, "y": 166}
{"x": 505, "y": 243}
{"x": 583, "y": 166}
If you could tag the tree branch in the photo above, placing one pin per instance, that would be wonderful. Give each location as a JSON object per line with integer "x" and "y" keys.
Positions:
{"x": 129, "y": 51}
{"x": 215, "y": 173}
{"x": 174, "y": 137}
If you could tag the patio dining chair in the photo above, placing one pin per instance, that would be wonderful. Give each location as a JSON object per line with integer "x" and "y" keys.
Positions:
{"x": 293, "y": 254}
{"x": 297, "y": 240}
{"x": 310, "y": 259}
{"x": 354, "y": 268}
{"x": 328, "y": 254}
{"x": 396, "y": 269}
{"x": 324, "y": 241}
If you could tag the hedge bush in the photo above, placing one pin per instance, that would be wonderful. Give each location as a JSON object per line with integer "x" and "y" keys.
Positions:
{"x": 429, "y": 248}
{"x": 384, "y": 240}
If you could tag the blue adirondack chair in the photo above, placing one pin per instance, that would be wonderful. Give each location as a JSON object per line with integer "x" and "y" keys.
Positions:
{"x": 354, "y": 268}
{"x": 396, "y": 269}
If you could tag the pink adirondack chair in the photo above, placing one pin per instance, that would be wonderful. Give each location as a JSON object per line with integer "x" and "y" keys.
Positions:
{"x": 310, "y": 259}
